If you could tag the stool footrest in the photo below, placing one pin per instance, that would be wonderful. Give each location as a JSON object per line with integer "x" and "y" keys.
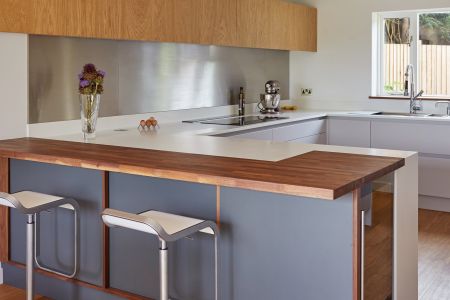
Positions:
{"x": 76, "y": 248}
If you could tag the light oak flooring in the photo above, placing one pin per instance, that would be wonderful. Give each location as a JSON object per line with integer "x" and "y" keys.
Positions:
{"x": 434, "y": 252}
{"x": 12, "y": 293}
{"x": 378, "y": 249}
{"x": 434, "y": 255}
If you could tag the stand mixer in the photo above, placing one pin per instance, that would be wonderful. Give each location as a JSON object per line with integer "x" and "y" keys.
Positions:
{"x": 270, "y": 101}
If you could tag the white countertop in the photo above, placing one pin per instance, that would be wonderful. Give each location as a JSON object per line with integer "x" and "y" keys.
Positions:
{"x": 199, "y": 139}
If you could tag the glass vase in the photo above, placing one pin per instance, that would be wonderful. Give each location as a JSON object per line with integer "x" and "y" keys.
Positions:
{"x": 89, "y": 105}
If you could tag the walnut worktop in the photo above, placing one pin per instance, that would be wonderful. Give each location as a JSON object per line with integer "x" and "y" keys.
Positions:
{"x": 318, "y": 174}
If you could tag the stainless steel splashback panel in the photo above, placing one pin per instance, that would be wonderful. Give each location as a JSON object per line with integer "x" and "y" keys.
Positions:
{"x": 146, "y": 77}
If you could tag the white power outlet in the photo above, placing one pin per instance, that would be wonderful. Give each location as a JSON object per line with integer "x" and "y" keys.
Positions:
{"x": 306, "y": 91}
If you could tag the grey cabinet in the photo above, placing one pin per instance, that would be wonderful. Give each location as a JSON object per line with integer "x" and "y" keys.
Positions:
{"x": 312, "y": 139}
{"x": 300, "y": 130}
{"x": 434, "y": 176}
{"x": 431, "y": 141}
{"x": 420, "y": 136}
{"x": 349, "y": 132}
{"x": 307, "y": 132}
{"x": 265, "y": 134}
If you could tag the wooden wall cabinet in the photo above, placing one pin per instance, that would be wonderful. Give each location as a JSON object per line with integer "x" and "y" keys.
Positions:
{"x": 276, "y": 24}
{"x": 270, "y": 24}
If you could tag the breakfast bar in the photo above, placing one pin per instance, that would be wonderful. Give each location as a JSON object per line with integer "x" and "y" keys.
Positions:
{"x": 264, "y": 209}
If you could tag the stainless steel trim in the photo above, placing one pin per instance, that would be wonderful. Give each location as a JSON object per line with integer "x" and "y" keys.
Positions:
{"x": 29, "y": 257}
{"x": 363, "y": 231}
{"x": 76, "y": 247}
{"x": 163, "y": 270}
{"x": 146, "y": 77}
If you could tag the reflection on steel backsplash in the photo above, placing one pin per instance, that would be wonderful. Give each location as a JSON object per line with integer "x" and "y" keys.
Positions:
{"x": 145, "y": 76}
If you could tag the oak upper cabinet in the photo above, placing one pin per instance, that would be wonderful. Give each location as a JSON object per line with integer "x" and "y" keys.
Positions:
{"x": 271, "y": 24}
{"x": 81, "y": 18}
{"x": 276, "y": 24}
{"x": 184, "y": 21}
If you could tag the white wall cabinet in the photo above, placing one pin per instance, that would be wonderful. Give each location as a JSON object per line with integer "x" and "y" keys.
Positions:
{"x": 349, "y": 132}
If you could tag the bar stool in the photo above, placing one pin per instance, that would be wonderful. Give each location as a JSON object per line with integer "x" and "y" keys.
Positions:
{"x": 168, "y": 228}
{"x": 32, "y": 204}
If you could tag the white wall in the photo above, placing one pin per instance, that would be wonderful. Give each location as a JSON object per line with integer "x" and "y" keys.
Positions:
{"x": 13, "y": 88}
{"x": 13, "y": 85}
{"x": 340, "y": 72}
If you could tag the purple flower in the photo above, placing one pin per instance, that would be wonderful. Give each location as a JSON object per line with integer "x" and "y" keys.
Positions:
{"x": 84, "y": 83}
{"x": 101, "y": 73}
{"x": 89, "y": 68}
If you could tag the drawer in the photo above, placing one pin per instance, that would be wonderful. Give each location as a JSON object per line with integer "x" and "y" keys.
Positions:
{"x": 411, "y": 136}
{"x": 256, "y": 135}
{"x": 434, "y": 177}
{"x": 346, "y": 132}
{"x": 299, "y": 130}
{"x": 312, "y": 139}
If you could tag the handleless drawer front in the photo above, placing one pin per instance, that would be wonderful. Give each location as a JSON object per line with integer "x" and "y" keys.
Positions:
{"x": 312, "y": 139}
{"x": 411, "y": 136}
{"x": 434, "y": 177}
{"x": 256, "y": 135}
{"x": 299, "y": 130}
{"x": 351, "y": 133}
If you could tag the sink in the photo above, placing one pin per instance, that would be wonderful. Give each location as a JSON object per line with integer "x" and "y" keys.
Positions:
{"x": 383, "y": 113}
{"x": 439, "y": 116}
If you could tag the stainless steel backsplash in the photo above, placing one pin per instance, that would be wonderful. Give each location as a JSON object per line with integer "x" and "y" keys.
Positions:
{"x": 146, "y": 77}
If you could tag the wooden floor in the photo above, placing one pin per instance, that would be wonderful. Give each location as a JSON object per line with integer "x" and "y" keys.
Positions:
{"x": 434, "y": 255}
{"x": 11, "y": 293}
{"x": 378, "y": 249}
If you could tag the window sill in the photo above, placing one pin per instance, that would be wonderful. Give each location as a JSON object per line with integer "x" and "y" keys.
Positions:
{"x": 407, "y": 98}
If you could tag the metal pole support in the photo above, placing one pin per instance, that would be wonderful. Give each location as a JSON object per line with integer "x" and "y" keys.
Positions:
{"x": 163, "y": 270}
{"x": 30, "y": 257}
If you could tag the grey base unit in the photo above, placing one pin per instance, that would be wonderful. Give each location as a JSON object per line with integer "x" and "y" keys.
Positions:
{"x": 56, "y": 226}
{"x": 306, "y": 132}
{"x": 271, "y": 246}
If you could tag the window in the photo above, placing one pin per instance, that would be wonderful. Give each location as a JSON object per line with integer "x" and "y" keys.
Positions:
{"x": 420, "y": 38}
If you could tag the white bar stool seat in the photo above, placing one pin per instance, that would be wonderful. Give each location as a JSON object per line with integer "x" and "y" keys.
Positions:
{"x": 31, "y": 204}
{"x": 168, "y": 228}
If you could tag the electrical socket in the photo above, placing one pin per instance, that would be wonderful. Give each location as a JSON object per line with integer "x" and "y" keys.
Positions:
{"x": 306, "y": 91}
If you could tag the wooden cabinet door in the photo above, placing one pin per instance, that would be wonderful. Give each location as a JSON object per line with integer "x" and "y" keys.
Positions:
{"x": 276, "y": 24}
{"x": 185, "y": 21}
{"x": 271, "y": 24}
{"x": 81, "y": 18}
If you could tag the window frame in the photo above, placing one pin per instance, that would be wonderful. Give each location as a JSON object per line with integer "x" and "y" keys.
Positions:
{"x": 378, "y": 47}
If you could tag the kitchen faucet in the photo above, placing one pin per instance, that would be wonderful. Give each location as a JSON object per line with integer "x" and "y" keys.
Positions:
{"x": 410, "y": 90}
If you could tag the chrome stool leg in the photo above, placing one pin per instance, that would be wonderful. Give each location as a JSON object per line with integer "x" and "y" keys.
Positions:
{"x": 76, "y": 217}
{"x": 163, "y": 270}
{"x": 30, "y": 257}
{"x": 216, "y": 266}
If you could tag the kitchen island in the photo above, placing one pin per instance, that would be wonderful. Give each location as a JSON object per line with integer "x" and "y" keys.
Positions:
{"x": 289, "y": 215}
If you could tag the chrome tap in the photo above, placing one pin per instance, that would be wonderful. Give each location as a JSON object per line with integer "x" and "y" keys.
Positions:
{"x": 241, "y": 106}
{"x": 410, "y": 90}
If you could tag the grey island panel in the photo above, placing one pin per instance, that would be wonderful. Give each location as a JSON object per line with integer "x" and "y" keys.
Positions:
{"x": 134, "y": 255}
{"x": 56, "y": 226}
{"x": 285, "y": 247}
{"x": 54, "y": 288}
